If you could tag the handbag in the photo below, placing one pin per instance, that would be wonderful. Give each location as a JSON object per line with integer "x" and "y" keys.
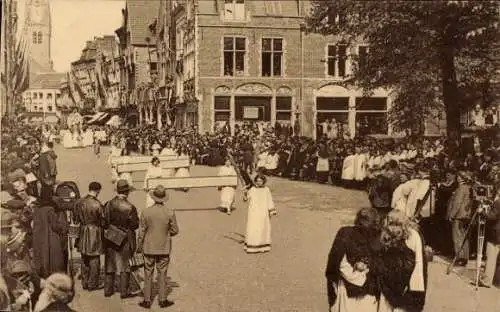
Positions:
{"x": 115, "y": 235}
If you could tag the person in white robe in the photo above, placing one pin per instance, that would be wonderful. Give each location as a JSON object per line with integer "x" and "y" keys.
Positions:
{"x": 68, "y": 139}
{"x": 168, "y": 150}
{"x": 348, "y": 170}
{"x": 227, "y": 192}
{"x": 271, "y": 162}
{"x": 154, "y": 171}
{"x": 88, "y": 137}
{"x": 260, "y": 209}
{"x": 262, "y": 159}
{"x": 420, "y": 197}
{"x": 183, "y": 172}
{"x": 360, "y": 169}
{"x": 400, "y": 196}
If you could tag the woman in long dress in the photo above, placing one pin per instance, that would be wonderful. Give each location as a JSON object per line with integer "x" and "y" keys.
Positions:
{"x": 403, "y": 274}
{"x": 260, "y": 209}
{"x": 154, "y": 171}
{"x": 227, "y": 192}
{"x": 351, "y": 285}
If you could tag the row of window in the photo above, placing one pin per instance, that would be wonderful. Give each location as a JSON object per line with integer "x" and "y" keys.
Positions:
{"x": 39, "y": 95}
{"x": 272, "y": 57}
{"x": 37, "y": 37}
{"x": 40, "y": 108}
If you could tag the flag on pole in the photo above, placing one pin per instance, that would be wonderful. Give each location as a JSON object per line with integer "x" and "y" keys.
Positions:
{"x": 76, "y": 86}
{"x": 71, "y": 88}
{"x": 20, "y": 73}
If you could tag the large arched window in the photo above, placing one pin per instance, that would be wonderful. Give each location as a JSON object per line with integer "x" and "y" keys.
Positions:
{"x": 35, "y": 40}
{"x": 39, "y": 37}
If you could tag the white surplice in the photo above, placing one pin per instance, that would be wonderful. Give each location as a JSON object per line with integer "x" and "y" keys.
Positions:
{"x": 258, "y": 233}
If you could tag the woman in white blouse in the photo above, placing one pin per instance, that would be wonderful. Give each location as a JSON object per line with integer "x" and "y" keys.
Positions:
{"x": 154, "y": 171}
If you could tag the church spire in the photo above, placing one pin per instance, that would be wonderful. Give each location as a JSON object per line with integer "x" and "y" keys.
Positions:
{"x": 38, "y": 30}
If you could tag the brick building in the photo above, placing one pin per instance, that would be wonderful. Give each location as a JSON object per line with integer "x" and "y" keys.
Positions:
{"x": 253, "y": 61}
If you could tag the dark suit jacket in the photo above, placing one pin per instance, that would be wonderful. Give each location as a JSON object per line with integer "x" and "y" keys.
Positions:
{"x": 493, "y": 223}
{"x": 156, "y": 227}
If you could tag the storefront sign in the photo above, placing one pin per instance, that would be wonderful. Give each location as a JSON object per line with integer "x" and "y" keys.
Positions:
{"x": 250, "y": 112}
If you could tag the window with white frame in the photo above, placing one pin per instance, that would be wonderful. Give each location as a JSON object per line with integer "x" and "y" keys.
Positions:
{"x": 371, "y": 115}
{"x": 272, "y": 57}
{"x": 234, "y": 56}
{"x": 337, "y": 60}
{"x": 234, "y": 9}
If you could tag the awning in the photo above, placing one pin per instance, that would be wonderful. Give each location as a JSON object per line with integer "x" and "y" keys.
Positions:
{"x": 114, "y": 121}
{"x": 96, "y": 117}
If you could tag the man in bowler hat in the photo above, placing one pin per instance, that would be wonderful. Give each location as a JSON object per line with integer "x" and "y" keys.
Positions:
{"x": 157, "y": 225}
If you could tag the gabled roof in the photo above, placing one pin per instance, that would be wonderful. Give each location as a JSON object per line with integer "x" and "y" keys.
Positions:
{"x": 47, "y": 81}
{"x": 141, "y": 13}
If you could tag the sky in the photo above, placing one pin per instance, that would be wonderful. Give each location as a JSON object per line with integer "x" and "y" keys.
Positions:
{"x": 76, "y": 21}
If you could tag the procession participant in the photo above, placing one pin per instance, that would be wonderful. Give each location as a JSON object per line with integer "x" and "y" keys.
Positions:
{"x": 183, "y": 172}
{"x": 87, "y": 214}
{"x": 403, "y": 271}
{"x": 97, "y": 143}
{"x": 360, "y": 163}
{"x": 125, "y": 175}
{"x": 260, "y": 209}
{"x": 272, "y": 160}
{"x": 227, "y": 192}
{"x": 120, "y": 220}
{"x": 87, "y": 137}
{"x": 351, "y": 285}
{"x": 419, "y": 200}
{"x": 322, "y": 164}
{"x": 379, "y": 192}
{"x": 157, "y": 225}
{"x": 48, "y": 169}
{"x": 168, "y": 150}
{"x": 459, "y": 214}
{"x": 154, "y": 171}
{"x": 348, "y": 169}
{"x": 50, "y": 230}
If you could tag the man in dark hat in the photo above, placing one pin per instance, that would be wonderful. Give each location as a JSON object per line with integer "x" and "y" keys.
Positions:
{"x": 120, "y": 220}
{"x": 87, "y": 214}
{"x": 48, "y": 168}
{"x": 157, "y": 225}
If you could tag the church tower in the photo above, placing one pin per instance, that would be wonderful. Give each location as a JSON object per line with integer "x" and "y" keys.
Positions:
{"x": 38, "y": 30}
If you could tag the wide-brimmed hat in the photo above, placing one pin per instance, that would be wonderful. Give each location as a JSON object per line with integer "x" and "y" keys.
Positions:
{"x": 159, "y": 194}
{"x": 122, "y": 186}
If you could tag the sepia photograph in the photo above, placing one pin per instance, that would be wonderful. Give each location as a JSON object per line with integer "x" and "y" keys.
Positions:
{"x": 250, "y": 156}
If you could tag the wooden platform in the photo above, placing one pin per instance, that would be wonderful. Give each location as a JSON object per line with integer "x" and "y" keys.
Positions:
{"x": 193, "y": 182}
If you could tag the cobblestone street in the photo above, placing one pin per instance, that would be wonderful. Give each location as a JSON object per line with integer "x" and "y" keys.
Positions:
{"x": 214, "y": 273}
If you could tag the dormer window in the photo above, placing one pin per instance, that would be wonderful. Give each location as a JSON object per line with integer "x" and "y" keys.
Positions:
{"x": 234, "y": 10}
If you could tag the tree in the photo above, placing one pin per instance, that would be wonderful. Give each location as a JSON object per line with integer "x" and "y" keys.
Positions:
{"x": 434, "y": 55}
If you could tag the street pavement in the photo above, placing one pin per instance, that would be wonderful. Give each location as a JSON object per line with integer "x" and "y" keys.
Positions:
{"x": 214, "y": 274}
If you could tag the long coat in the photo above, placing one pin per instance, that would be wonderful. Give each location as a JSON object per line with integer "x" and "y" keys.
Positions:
{"x": 50, "y": 230}
{"x": 87, "y": 213}
{"x": 48, "y": 167}
{"x": 122, "y": 214}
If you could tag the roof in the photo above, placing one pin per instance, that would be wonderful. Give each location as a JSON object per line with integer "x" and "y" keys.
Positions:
{"x": 47, "y": 81}
{"x": 141, "y": 13}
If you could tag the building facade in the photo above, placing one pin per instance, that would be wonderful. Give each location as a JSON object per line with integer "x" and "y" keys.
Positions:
{"x": 252, "y": 61}
{"x": 41, "y": 98}
{"x": 96, "y": 74}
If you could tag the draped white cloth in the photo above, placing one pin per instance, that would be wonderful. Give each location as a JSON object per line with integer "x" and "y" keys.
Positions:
{"x": 258, "y": 231}
{"x": 152, "y": 172}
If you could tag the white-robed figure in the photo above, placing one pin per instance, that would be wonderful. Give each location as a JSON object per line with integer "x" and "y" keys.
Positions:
{"x": 88, "y": 137}
{"x": 260, "y": 209}
{"x": 419, "y": 199}
{"x": 183, "y": 172}
{"x": 227, "y": 192}
{"x": 67, "y": 139}
{"x": 348, "y": 169}
{"x": 125, "y": 175}
{"x": 114, "y": 152}
{"x": 154, "y": 171}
